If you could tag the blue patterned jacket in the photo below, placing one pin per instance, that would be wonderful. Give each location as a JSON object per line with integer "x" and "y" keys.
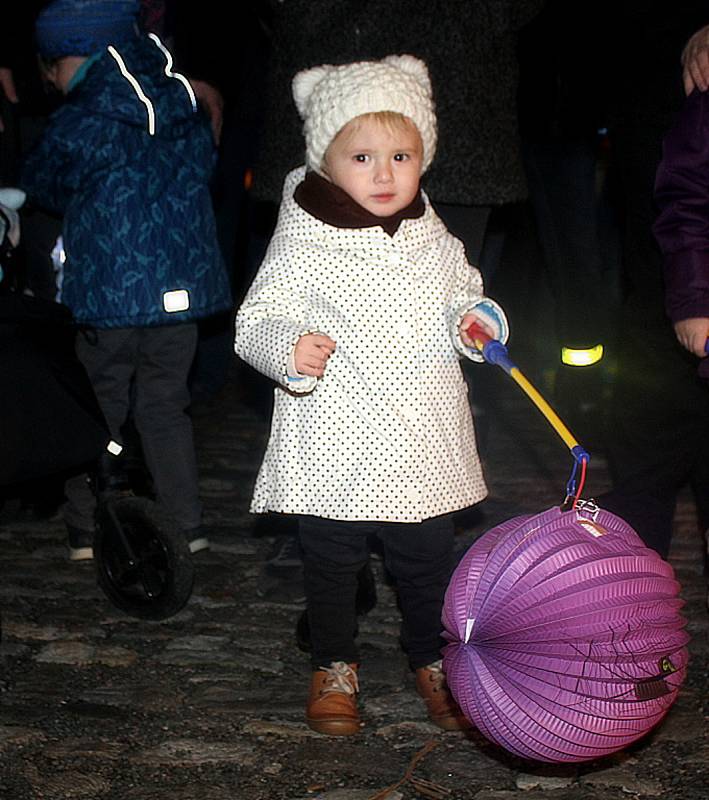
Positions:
{"x": 127, "y": 160}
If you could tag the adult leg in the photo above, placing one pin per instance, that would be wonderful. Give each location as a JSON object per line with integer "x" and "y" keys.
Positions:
{"x": 561, "y": 174}
{"x": 562, "y": 180}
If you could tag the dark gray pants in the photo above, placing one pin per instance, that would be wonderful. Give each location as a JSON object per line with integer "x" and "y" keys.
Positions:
{"x": 144, "y": 370}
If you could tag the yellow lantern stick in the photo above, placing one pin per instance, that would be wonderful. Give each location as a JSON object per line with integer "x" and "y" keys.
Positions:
{"x": 494, "y": 352}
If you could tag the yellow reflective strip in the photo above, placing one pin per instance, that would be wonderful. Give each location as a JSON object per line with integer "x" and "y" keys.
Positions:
{"x": 545, "y": 408}
{"x": 581, "y": 357}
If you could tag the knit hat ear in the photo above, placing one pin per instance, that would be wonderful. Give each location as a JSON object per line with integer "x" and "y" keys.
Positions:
{"x": 303, "y": 85}
{"x": 414, "y": 67}
{"x": 328, "y": 97}
{"x": 83, "y": 27}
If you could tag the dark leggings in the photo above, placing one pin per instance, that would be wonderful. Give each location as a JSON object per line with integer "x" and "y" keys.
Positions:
{"x": 418, "y": 556}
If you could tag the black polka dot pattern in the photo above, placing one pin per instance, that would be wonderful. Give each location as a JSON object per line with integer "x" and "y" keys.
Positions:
{"x": 387, "y": 433}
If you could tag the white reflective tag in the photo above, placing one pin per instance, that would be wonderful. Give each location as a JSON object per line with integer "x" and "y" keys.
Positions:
{"x": 114, "y": 448}
{"x": 177, "y": 300}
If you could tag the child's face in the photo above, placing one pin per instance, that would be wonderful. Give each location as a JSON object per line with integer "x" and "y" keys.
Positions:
{"x": 60, "y": 72}
{"x": 378, "y": 166}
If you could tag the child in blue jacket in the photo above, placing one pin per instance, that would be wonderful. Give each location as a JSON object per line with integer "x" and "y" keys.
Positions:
{"x": 127, "y": 160}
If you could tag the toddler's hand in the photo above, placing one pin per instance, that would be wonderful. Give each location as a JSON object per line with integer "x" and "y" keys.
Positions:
{"x": 466, "y": 322}
{"x": 692, "y": 334}
{"x": 311, "y": 354}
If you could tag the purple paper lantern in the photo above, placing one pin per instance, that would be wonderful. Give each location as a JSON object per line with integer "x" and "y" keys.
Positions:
{"x": 566, "y": 641}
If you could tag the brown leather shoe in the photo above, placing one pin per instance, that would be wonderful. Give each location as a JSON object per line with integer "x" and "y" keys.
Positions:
{"x": 443, "y": 711}
{"x": 332, "y": 705}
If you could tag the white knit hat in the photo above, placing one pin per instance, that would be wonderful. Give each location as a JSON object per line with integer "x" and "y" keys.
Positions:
{"x": 328, "y": 97}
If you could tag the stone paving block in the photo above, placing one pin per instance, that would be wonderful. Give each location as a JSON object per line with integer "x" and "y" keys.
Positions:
{"x": 67, "y": 784}
{"x": 198, "y": 642}
{"x": 549, "y": 782}
{"x": 191, "y": 752}
{"x": 471, "y": 766}
{"x": 15, "y": 590}
{"x": 85, "y": 748}
{"x": 194, "y": 790}
{"x": 146, "y": 697}
{"x": 67, "y": 652}
{"x": 293, "y": 731}
{"x": 624, "y": 778}
{"x": 407, "y": 728}
{"x": 11, "y": 735}
{"x": 542, "y": 794}
{"x": 81, "y": 653}
{"x": 353, "y": 794}
{"x": 401, "y": 704}
{"x": 17, "y": 629}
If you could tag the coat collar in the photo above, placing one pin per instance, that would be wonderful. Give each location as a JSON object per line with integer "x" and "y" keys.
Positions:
{"x": 411, "y": 234}
{"x": 331, "y": 204}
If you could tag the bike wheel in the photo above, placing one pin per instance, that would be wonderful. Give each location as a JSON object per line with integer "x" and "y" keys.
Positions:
{"x": 143, "y": 565}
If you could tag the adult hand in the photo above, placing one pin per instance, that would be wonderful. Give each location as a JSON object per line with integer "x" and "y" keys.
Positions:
{"x": 7, "y": 88}
{"x": 311, "y": 354}
{"x": 692, "y": 334}
{"x": 695, "y": 62}
{"x": 213, "y": 103}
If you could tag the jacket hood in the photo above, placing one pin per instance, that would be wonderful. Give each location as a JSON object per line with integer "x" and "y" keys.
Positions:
{"x": 136, "y": 85}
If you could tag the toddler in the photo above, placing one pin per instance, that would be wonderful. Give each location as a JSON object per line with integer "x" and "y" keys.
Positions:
{"x": 359, "y": 312}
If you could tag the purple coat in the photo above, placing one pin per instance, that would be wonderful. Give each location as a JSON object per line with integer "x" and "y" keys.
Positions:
{"x": 682, "y": 228}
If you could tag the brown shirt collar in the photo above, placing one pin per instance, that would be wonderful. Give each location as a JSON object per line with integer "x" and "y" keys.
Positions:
{"x": 332, "y": 205}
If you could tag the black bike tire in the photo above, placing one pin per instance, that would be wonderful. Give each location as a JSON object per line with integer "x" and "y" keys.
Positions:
{"x": 179, "y": 573}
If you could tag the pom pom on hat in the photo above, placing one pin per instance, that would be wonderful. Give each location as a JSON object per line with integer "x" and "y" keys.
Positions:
{"x": 328, "y": 97}
{"x": 83, "y": 27}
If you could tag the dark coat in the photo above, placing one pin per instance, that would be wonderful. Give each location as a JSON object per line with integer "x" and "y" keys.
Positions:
{"x": 469, "y": 47}
{"x": 682, "y": 227}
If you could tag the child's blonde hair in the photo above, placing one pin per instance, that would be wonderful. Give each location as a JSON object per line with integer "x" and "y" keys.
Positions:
{"x": 391, "y": 121}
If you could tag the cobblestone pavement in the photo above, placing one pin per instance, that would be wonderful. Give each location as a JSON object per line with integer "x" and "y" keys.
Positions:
{"x": 208, "y": 705}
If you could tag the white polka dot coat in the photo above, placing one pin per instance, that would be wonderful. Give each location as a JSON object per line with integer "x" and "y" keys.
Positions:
{"x": 386, "y": 434}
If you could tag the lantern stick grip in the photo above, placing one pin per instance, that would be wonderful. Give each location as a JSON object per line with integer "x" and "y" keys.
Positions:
{"x": 493, "y": 351}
